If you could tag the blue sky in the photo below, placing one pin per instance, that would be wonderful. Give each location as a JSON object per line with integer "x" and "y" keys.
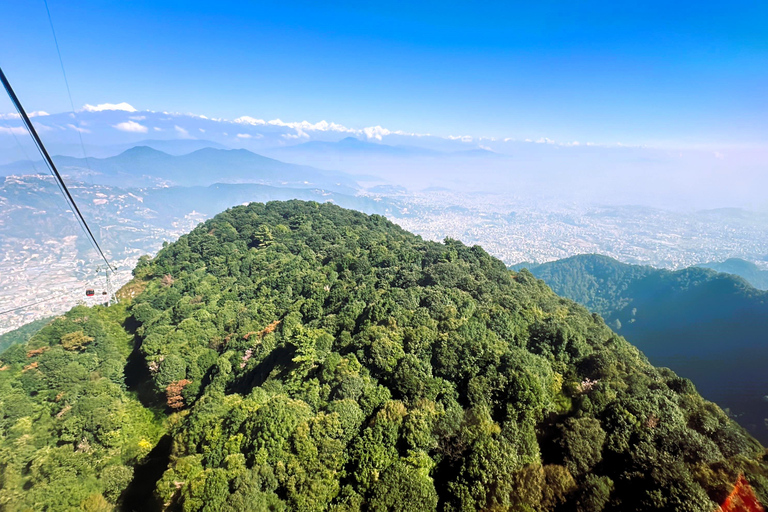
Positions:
{"x": 657, "y": 73}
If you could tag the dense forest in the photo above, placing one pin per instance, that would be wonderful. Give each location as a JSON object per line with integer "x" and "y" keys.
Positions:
{"x": 299, "y": 356}
{"x": 707, "y": 326}
{"x": 70, "y": 430}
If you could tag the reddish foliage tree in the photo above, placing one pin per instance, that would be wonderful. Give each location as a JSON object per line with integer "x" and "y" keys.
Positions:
{"x": 268, "y": 329}
{"x": 37, "y": 351}
{"x": 30, "y": 367}
{"x": 742, "y": 498}
{"x": 173, "y": 396}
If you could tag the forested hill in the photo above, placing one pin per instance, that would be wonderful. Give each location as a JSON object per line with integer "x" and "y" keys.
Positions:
{"x": 707, "y": 326}
{"x": 748, "y": 270}
{"x": 300, "y": 356}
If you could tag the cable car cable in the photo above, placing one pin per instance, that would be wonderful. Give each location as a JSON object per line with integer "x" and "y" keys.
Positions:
{"x": 48, "y": 160}
{"x": 30, "y": 304}
{"x": 34, "y": 167}
{"x": 66, "y": 82}
{"x": 49, "y": 163}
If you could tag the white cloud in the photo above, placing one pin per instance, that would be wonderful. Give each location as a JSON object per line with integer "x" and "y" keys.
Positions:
{"x": 376, "y": 132}
{"x": 462, "y": 138}
{"x": 15, "y": 130}
{"x": 250, "y": 120}
{"x": 184, "y": 134}
{"x": 14, "y": 115}
{"x": 301, "y": 130}
{"x": 322, "y": 126}
{"x": 299, "y": 127}
{"x": 294, "y": 135}
{"x": 130, "y": 126}
{"x": 109, "y": 106}
{"x": 78, "y": 129}
{"x": 371, "y": 132}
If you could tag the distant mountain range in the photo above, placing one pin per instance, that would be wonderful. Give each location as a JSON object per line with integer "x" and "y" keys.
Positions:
{"x": 708, "y": 326}
{"x": 406, "y": 165}
{"x": 352, "y": 146}
{"x": 525, "y": 168}
{"x": 170, "y": 146}
{"x": 746, "y": 269}
{"x": 31, "y": 207}
{"x": 143, "y": 166}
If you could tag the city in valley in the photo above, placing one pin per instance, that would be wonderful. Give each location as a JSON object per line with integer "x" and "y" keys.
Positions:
{"x": 47, "y": 264}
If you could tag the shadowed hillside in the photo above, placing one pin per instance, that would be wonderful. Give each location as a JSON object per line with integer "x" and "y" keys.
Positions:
{"x": 710, "y": 327}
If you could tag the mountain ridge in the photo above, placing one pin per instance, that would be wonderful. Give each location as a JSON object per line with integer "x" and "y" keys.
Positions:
{"x": 296, "y": 355}
{"x": 709, "y": 326}
{"x": 753, "y": 274}
{"x": 146, "y": 166}
{"x": 355, "y": 146}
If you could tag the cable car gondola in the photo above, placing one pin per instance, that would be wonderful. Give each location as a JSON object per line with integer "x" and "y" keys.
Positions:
{"x": 89, "y": 292}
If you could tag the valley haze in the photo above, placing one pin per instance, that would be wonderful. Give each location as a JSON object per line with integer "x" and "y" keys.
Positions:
{"x": 149, "y": 191}
{"x": 684, "y": 178}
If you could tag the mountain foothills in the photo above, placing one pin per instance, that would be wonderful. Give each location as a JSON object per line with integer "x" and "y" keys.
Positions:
{"x": 746, "y": 269}
{"x": 23, "y": 333}
{"x": 143, "y": 166}
{"x": 298, "y": 356}
{"x": 134, "y": 220}
{"x": 710, "y": 327}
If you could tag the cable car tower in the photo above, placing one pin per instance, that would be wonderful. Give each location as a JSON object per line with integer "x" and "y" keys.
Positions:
{"x": 111, "y": 298}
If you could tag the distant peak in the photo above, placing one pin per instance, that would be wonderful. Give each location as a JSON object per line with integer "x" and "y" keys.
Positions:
{"x": 143, "y": 150}
{"x": 221, "y": 150}
{"x": 351, "y": 140}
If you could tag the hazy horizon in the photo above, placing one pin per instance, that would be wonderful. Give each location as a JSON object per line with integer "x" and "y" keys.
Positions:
{"x": 655, "y": 104}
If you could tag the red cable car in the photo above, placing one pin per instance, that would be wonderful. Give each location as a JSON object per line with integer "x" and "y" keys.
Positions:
{"x": 89, "y": 292}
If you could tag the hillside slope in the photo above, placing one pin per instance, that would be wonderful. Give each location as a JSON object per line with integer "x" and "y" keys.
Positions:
{"x": 748, "y": 270}
{"x": 71, "y": 431}
{"x": 708, "y": 326}
{"x": 315, "y": 358}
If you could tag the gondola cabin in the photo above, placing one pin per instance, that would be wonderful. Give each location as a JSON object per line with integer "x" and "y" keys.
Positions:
{"x": 89, "y": 292}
